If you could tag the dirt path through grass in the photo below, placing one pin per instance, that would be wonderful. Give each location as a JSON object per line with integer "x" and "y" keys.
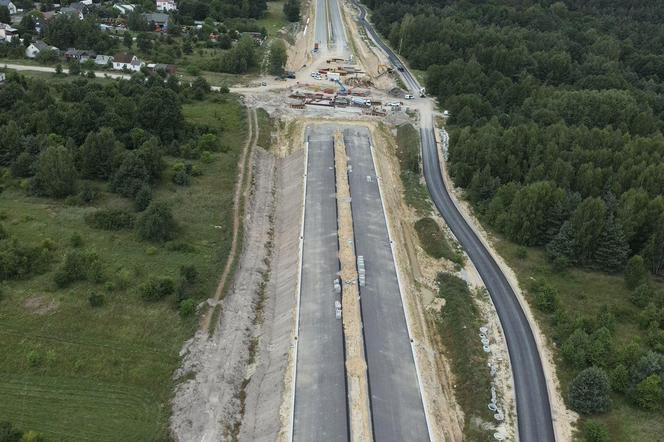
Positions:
{"x": 239, "y": 200}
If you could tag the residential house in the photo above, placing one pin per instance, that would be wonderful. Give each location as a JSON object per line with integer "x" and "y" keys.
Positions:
{"x": 11, "y": 6}
{"x": 124, "y": 61}
{"x": 76, "y": 9}
{"x": 170, "y": 69}
{"x": 103, "y": 60}
{"x": 166, "y": 5}
{"x": 79, "y": 55}
{"x": 125, "y": 9}
{"x": 7, "y": 33}
{"x": 157, "y": 19}
{"x": 36, "y": 47}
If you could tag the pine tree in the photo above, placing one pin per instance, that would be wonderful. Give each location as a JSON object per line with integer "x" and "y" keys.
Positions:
{"x": 561, "y": 249}
{"x": 612, "y": 247}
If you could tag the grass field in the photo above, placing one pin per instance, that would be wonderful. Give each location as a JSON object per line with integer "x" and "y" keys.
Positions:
{"x": 585, "y": 293}
{"x": 457, "y": 325}
{"x": 73, "y": 372}
{"x": 434, "y": 241}
{"x": 265, "y": 124}
{"x": 408, "y": 148}
{"x": 274, "y": 18}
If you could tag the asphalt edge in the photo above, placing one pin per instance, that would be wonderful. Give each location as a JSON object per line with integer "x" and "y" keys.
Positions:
{"x": 404, "y": 304}
{"x": 291, "y": 423}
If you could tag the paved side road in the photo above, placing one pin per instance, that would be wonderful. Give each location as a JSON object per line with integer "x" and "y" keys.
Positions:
{"x": 532, "y": 400}
{"x": 320, "y": 386}
{"x": 396, "y": 402}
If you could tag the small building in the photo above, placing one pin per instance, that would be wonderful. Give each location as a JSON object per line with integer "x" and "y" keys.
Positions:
{"x": 2, "y": 77}
{"x": 157, "y": 19}
{"x": 128, "y": 61}
{"x": 170, "y": 69}
{"x": 7, "y": 33}
{"x": 125, "y": 9}
{"x": 36, "y": 47}
{"x": 166, "y": 5}
{"x": 103, "y": 60}
{"x": 11, "y": 6}
{"x": 79, "y": 55}
{"x": 76, "y": 9}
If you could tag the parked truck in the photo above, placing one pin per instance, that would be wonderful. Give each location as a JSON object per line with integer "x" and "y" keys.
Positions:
{"x": 358, "y": 101}
{"x": 423, "y": 92}
{"x": 316, "y": 47}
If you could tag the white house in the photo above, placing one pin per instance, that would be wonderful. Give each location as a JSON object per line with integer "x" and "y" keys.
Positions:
{"x": 127, "y": 61}
{"x": 103, "y": 60}
{"x": 76, "y": 9}
{"x": 7, "y": 33}
{"x": 11, "y": 6}
{"x": 166, "y": 5}
{"x": 124, "y": 9}
{"x": 35, "y": 48}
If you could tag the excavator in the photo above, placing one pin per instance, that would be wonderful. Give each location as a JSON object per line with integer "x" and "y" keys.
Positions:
{"x": 384, "y": 69}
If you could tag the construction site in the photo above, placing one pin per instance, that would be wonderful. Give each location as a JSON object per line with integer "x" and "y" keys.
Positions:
{"x": 326, "y": 331}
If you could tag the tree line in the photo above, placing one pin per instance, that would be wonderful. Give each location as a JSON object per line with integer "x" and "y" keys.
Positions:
{"x": 557, "y": 112}
{"x": 557, "y": 120}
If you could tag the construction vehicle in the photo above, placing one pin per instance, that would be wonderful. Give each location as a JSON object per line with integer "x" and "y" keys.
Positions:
{"x": 423, "y": 92}
{"x": 384, "y": 69}
{"x": 343, "y": 90}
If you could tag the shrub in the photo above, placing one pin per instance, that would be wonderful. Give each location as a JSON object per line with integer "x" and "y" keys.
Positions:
{"x": 143, "y": 198}
{"x": 95, "y": 300}
{"x": 110, "y": 219}
{"x": 648, "y": 393}
{"x": 434, "y": 242}
{"x": 18, "y": 261}
{"x": 9, "y": 433}
{"x": 187, "y": 308}
{"x": 546, "y": 298}
{"x": 209, "y": 143}
{"x": 157, "y": 223}
{"x": 620, "y": 378}
{"x": 76, "y": 240}
{"x": 189, "y": 273}
{"x": 157, "y": 288}
{"x": 79, "y": 266}
{"x": 635, "y": 272}
{"x": 589, "y": 391}
{"x": 595, "y": 432}
{"x": 641, "y": 295}
{"x": 181, "y": 177}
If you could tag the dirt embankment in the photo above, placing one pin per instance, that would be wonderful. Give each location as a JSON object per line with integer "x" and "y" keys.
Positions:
{"x": 269, "y": 385}
{"x": 208, "y": 404}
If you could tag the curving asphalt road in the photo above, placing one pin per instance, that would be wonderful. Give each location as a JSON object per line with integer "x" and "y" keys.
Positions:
{"x": 535, "y": 421}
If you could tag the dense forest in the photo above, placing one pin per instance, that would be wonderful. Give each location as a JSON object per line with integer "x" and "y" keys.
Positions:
{"x": 557, "y": 111}
{"x": 557, "y": 120}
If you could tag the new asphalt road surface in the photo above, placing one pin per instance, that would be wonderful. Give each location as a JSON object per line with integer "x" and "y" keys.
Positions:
{"x": 532, "y": 400}
{"x": 396, "y": 404}
{"x": 320, "y": 412}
